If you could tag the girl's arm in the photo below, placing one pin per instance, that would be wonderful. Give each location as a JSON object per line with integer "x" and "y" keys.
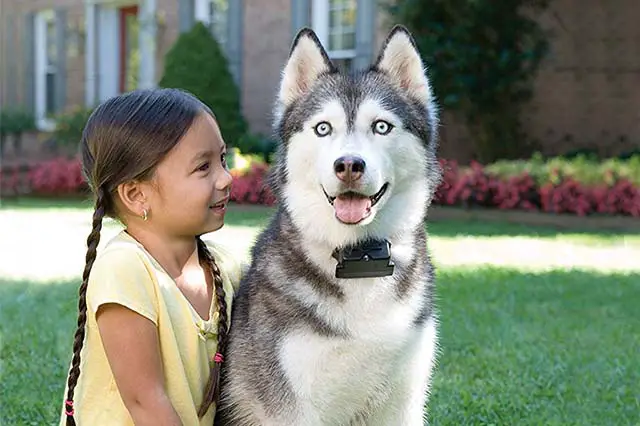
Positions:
{"x": 131, "y": 344}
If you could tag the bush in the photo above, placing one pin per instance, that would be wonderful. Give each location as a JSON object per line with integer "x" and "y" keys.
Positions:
{"x": 70, "y": 125}
{"x": 196, "y": 63}
{"x": 476, "y": 186}
{"x": 60, "y": 176}
{"x": 574, "y": 186}
{"x": 257, "y": 144}
{"x": 15, "y": 122}
{"x": 250, "y": 186}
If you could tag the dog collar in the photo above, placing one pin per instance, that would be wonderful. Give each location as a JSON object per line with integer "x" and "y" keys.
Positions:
{"x": 368, "y": 259}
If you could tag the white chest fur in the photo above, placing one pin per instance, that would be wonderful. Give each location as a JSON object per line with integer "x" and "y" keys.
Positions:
{"x": 342, "y": 377}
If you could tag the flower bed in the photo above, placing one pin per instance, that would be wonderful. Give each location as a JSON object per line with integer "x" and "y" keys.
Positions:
{"x": 558, "y": 186}
{"x": 578, "y": 187}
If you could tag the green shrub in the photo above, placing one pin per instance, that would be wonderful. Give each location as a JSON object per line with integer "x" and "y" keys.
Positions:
{"x": 257, "y": 144}
{"x": 14, "y": 122}
{"x": 583, "y": 168}
{"x": 69, "y": 126}
{"x": 196, "y": 63}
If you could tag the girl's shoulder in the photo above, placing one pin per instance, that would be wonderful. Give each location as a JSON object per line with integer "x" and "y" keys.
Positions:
{"x": 123, "y": 274}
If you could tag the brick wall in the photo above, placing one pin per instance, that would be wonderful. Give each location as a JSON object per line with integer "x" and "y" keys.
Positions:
{"x": 267, "y": 39}
{"x": 587, "y": 91}
{"x": 586, "y": 94}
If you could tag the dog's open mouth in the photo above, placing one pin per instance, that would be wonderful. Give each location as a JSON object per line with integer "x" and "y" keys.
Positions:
{"x": 352, "y": 207}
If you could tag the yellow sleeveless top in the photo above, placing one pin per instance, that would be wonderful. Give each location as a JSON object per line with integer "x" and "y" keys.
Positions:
{"x": 125, "y": 273}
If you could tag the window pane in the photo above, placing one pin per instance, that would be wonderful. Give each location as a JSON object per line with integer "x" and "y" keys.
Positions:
{"x": 349, "y": 17}
{"x": 348, "y": 41}
{"x": 50, "y": 95}
{"x": 335, "y": 41}
{"x": 51, "y": 42}
{"x": 334, "y": 18}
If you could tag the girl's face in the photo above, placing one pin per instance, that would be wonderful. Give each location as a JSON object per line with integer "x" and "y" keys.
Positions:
{"x": 189, "y": 192}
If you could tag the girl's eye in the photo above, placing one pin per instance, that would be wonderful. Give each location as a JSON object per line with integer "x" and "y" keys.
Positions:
{"x": 223, "y": 159}
{"x": 382, "y": 127}
{"x": 204, "y": 167}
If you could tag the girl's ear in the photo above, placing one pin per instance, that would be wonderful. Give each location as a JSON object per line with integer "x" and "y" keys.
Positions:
{"x": 133, "y": 197}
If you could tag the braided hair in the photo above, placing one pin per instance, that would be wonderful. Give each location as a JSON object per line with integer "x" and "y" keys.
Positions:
{"x": 212, "y": 389}
{"x": 124, "y": 140}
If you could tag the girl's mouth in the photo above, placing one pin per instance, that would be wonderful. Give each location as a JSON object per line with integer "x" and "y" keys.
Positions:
{"x": 220, "y": 206}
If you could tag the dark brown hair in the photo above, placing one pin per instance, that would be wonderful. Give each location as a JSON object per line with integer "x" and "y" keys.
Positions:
{"x": 124, "y": 139}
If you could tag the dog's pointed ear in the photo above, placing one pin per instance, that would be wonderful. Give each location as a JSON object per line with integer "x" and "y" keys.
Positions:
{"x": 400, "y": 60}
{"x": 307, "y": 61}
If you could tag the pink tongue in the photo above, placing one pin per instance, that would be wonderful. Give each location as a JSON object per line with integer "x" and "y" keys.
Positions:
{"x": 352, "y": 209}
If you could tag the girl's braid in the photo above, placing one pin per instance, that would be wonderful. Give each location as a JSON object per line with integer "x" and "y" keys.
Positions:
{"x": 212, "y": 389}
{"x": 92, "y": 245}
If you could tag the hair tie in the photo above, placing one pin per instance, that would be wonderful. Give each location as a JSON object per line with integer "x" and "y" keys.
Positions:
{"x": 68, "y": 407}
{"x": 218, "y": 357}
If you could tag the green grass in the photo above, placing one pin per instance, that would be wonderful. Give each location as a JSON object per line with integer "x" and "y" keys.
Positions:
{"x": 537, "y": 327}
{"x": 558, "y": 348}
{"x": 555, "y": 348}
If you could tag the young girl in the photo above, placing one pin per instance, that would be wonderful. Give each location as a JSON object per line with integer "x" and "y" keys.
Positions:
{"x": 155, "y": 305}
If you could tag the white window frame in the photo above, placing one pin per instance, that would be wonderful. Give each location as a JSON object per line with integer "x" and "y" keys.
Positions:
{"x": 204, "y": 12}
{"x": 42, "y": 68}
{"x": 320, "y": 10}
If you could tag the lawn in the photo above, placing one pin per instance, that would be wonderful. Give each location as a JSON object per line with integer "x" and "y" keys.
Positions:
{"x": 537, "y": 327}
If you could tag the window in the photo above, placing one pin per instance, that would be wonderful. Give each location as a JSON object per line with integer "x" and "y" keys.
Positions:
{"x": 335, "y": 23}
{"x": 214, "y": 14}
{"x": 45, "y": 62}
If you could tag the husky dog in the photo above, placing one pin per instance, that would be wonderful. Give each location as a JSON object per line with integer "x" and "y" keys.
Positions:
{"x": 322, "y": 334}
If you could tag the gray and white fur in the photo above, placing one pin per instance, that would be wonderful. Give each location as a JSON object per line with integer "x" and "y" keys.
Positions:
{"x": 306, "y": 348}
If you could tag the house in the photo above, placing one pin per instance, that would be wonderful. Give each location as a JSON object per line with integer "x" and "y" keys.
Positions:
{"x": 59, "y": 53}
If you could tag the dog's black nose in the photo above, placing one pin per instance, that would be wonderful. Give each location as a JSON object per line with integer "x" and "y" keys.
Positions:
{"x": 349, "y": 168}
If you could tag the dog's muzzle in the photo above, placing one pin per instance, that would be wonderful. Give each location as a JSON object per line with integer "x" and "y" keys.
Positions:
{"x": 353, "y": 207}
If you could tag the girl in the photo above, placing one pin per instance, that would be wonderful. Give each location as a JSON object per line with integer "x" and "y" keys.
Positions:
{"x": 151, "y": 334}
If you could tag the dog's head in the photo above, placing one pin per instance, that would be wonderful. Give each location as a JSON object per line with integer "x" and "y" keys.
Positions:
{"x": 357, "y": 153}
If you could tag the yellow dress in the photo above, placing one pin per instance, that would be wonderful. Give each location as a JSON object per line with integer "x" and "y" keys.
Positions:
{"x": 125, "y": 273}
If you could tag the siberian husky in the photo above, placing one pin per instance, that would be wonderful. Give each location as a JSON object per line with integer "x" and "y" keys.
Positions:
{"x": 334, "y": 323}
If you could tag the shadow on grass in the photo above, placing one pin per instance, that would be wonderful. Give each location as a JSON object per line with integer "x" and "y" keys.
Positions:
{"x": 476, "y": 228}
{"x": 46, "y": 203}
{"x": 556, "y": 348}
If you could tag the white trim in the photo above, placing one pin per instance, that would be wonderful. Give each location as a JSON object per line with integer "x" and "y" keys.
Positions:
{"x": 320, "y": 20}
{"x": 42, "y": 18}
{"x": 108, "y": 66}
{"x": 201, "y": 11}
{"x": 342, "y": 54}
{"x": 90, "y": 54}
{"x": 147, "y": 43}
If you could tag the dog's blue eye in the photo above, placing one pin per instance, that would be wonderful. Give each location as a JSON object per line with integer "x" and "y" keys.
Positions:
{"x": 381, "y": 127}
{"x": 323, "y": 129}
